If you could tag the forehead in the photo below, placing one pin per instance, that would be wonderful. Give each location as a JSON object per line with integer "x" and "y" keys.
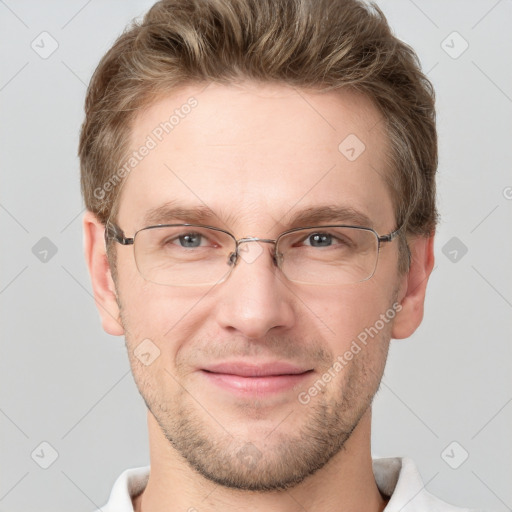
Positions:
{"x": 256, "y": 155}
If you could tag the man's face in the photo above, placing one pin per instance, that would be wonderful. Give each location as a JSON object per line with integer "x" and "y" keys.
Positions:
{"x": 256, "y": 156}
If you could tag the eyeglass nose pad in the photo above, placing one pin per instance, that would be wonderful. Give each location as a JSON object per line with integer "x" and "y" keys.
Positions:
{"x": 233, "y": 258}
{"x": 278, "y": 258}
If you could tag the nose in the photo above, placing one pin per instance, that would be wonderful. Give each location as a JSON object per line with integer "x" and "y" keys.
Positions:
{"x": 255, "y": 299}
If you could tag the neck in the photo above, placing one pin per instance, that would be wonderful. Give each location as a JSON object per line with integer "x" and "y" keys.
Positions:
{"x": 345, "y": 484}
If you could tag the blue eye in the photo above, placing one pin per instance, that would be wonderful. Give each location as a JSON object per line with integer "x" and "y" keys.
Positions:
{"x": 190, "y": 240}
{"x": 320, "y": 239}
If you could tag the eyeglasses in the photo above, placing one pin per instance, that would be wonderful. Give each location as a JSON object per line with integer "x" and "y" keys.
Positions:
{"x": 194, "y": 254}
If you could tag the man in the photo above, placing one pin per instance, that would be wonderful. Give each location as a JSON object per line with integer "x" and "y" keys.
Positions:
{"x": 259, "y": 179}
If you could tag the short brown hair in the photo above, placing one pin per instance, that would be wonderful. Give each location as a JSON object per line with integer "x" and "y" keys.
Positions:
{"x": 322, "y": 45}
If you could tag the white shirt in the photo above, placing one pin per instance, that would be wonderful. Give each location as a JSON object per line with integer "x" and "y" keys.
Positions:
{"x": 395, "y": 477}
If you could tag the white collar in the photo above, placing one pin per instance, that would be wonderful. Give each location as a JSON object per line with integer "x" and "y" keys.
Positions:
{"x": 395, "y": 477}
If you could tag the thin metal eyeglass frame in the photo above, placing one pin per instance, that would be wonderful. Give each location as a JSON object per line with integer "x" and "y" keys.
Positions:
{"x": 114, "y": 232}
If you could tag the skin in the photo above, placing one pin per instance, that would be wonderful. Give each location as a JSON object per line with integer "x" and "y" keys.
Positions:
{"x": 256, "y": 154}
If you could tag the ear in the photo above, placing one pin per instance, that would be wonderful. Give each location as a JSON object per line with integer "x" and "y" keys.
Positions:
{"x": 101, "y": 278}
{"x": 412, "y": 290}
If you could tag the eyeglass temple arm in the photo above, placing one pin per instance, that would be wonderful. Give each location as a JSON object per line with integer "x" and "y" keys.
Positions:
{"x": 113, "y": 232}
{"x": 390, "y": 236}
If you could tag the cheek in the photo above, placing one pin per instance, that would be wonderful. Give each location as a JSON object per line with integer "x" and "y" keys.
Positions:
{"x": 166, "y": 316}
{"x": 347, "y": 313}
{"x": 157, "y": 324}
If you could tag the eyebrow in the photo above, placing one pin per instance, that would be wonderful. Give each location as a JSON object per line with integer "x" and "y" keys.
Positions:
{"x": 330, "y": 214}
{"x": 314, "y": 215}
{"x": 170, "y": 212}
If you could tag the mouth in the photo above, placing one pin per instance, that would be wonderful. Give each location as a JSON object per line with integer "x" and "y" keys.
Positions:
{"x": 242, "y": 378}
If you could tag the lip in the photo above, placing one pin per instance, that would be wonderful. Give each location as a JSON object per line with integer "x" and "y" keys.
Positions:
{"x": 243, "y": 378}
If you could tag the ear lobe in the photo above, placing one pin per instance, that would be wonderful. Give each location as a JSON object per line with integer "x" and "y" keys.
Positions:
{"x": 101, "y": 278}
{"x": 413, "y": 287}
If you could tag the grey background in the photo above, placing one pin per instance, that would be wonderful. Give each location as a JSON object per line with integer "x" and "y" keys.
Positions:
{"x": 65, "y": 382}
